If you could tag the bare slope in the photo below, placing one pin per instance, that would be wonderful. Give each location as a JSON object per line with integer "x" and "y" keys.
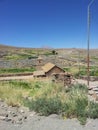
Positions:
{"x": 63, "y": 57}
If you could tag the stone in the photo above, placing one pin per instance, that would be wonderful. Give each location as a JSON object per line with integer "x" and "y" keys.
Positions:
{"x": 95, "y": 89}
{"x": 9, "y": 112}
{"x": 54, "y": 116}
{"x": 25, "y": 117}
{"x": 2, "y": 117}
{"x": 14, "y": 115}
{"x": 32, "y": 114}
{"x": 22, "y": 111}
{"x": 8, "y": 119}
{"x": 91, "y": 92}
{"x": 19, "y": 122}
{"x": 13, "y": 121}
{"x": 20, "y": 119}
{"x": 2, "y": 105}
{"x": 2, "y": 113}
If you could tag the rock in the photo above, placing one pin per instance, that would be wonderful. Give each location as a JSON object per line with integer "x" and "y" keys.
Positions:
{"x": 90, "y": 88}
{"x": 91, "y": 92}
{"x": 19, "y": 122}
{"x": 2, "y": 117}
{"x": 22, "y": 111}
{"x": 13, "y": 121}
{"x": 54, "y": 116}
{"x": 32, "y": 114}
{"x": 9, "y": 112}
{"x": 7, "y": 115}
{"x": 95, "y": 89}
{"x": 25, "y": 117}
{"x": 8, "y": 119}
{"x": 96, "y": 92}
{"x": 2, "y": 113}
{"x": 14, "y": 115}
{"x": 2, "y": 105}
{"x": 20, "y": 119}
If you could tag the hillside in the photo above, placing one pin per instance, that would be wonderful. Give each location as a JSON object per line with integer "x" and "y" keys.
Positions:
{"x": 15, "y": 57}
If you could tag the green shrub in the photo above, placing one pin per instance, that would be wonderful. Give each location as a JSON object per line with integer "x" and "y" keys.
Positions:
{"x": 82, "y": 120}
{"x": 93, "y": 110}
{"x": 81, "y": 105}
{"x": 75, "y": 106}
{"x": 45, "y": 106}
{"x": 83, "y": 72}
{"x": 67, "y": 69}
{"x": 80, "y": 88}
{"x": 74, "y": 103}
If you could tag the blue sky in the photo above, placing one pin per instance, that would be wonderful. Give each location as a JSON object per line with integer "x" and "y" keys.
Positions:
{"x": 47, "y": 23}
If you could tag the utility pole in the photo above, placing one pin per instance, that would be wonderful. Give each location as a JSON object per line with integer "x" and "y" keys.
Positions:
{"x": 79, "y": 62}
{"x": 88, "y": 41}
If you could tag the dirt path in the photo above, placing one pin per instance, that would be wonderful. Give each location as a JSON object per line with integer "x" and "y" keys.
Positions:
{"x": 91, "y": 83}
{"x": 16, "y": 77}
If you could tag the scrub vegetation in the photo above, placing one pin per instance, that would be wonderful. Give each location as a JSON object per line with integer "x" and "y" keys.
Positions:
{"x": 50, "y": 98}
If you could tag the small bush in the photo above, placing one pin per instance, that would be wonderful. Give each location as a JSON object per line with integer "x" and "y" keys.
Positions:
{"x": 82, "y": 120}
{"x": 72, "y": 103}
{"x": 81, "y": 105}
{"x": 80, "y": 88}
{"x": 67, "y": 69}
{"x": 76, "y": 103}
{"x": 45, "y": 106}
{"x": 93, "y": 110}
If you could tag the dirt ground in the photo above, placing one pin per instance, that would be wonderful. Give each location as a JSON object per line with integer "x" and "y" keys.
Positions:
{"x": 16, "y": 77}
{"x": 91, "y": 83}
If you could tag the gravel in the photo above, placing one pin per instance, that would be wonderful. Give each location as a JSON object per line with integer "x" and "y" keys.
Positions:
{"x": 13, "y": 118}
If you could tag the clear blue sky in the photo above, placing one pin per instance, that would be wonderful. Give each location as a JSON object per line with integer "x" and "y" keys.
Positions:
{"x": 47, "y": 23}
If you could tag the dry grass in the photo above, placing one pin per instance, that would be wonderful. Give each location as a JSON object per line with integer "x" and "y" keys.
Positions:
{"x": 49, "y": 98}
{"x": 11, "y": 93}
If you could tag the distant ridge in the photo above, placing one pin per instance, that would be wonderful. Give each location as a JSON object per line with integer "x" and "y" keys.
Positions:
{"x": 9, "y": 46}
{"x": 4, "y": 46}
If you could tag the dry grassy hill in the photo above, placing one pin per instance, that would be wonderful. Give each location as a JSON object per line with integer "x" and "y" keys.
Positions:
{"x": 28, "y": 57}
